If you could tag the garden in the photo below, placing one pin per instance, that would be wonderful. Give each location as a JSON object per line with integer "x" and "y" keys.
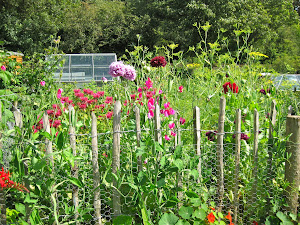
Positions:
{"x": 177, "y": 138}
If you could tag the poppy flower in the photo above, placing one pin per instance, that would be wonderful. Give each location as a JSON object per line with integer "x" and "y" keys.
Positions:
{"x": 232, "y": 86}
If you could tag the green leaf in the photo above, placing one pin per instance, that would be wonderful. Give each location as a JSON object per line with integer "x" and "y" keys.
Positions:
{"x": 122, "y": 220}
{"x": 168, "y": 219}
{"x": 40, "y": 164}
{"x": 191, "y": 194}
{"x": 196, "y": 202}
{"x": 76, "y": 182}
{"x": 181, "y": 222}
{"x": 284, "y": 218}
{"x": 179, "y": 164}
{"x": 194, "y": 173}
{"x": 200, "y": 214}
{"x": 20, "y": 208}
{"x": 161, "y": 183}
{"x": 185, "y": 212}
{"x": 60, "y": 141}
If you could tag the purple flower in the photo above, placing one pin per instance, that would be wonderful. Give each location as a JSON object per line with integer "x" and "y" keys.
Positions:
{"x": 130, "y": 73}
{"x": 117, "y": 69}
{"x": 243, "y": 136}
{"x": 211, "y": 135}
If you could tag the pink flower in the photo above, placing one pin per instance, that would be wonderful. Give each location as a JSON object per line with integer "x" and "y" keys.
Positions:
{"x": 104, "y": 79}
{"x": 180, "y": 89}
{"x": 171, "y": 111}
{"x": 151, "y": 104}
{"x": 148, "y": 83}
{"x": 43, "y": 83}
{"x": 3, "y": 68}
{"x": 146, "y": 161}
{"x": 109, "y": 115}
{"x": 132, "y": 97}
{"x": 59, "y": 93}
{"x": 173, "y": 133}
{"x": 167, "y": 138}
{"x": 150, "y": 114}
{"x": 160, "y": 92}
{"x": 171, "y": 125}
{"x": 182, "y": 120}
{"x": 76, "y": 90}
{"x": 167, "y": 105}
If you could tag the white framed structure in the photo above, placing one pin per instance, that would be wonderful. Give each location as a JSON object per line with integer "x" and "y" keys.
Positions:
{"x": 83, "y": 68}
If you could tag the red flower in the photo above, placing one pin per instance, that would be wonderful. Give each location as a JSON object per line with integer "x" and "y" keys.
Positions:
{"x": 158, "y": 61}
{"x": 229, "y": 218}
{"x": 211, "y": 217}
{"x": 233, "y": 87}
{"x": 254, "y": 223}
{"x": 180, "y": 89}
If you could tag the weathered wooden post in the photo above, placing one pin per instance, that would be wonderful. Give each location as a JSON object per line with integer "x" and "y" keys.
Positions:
{"x": 138, "y": 136}
{"x": 157, "y": 133}
{"x": 220, "y": 152}
{"x": 49, "y": 151}
{"x": 292, "y": 165}
{"x": 96, "y": 173}
{"x": 197, "y": 138}
{"x": 116, "y": 156}
{"x": 255, "y": 155}
{"x": 74, "y": 169}
{"x": 271, "y": 139}
{"x": 237, "y": 162}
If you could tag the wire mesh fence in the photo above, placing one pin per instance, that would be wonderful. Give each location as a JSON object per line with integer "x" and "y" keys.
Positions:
{"x": 148, "y": 177}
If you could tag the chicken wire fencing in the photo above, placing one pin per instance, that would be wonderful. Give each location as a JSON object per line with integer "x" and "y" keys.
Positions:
{"x": 148, "y": 178}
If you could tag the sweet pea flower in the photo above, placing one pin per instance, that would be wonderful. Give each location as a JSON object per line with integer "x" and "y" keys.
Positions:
{"x": 171, "y": 125}
{"x": 180, "y": 89}
{"x": 140, "y": 89}
{"x": 167, "y": 138}
{"x": 167, "y": 105}
{"x": 182, "y": 120}
{"x": 3, "y": 68}
{"x": 150, "y": 114}
{"x": 43, "y": 83}
{"x": 173, "y": 133}
{"x": 59, "y": 93}
{"x": 148, "y": 83}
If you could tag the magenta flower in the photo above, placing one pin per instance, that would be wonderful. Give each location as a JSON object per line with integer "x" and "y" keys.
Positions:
{"x": 180, "y": 89}
{"x": 182, "y": 120}
{"x": 173, "y": 133}
{"x": 43, "y": 83}
{"x": 167, "y": 105}
{"x": 151, "y": 104}
{"x": 171, "y": 125}
{"x": 158, "y": 61}
{"x": 150, "y": 114}
{"x": 3, "y": 68}
{"x": 117, "y": 69}
{"x": 148, "y": 83}
{"x": 59, "y": 93}
{"x": 109, "y": 115}
{"x": 171, "y": 111}
{"x": 167, "y": 138}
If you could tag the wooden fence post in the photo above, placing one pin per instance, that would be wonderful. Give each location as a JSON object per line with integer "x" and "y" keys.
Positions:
{"x": 197, "y": 138}
{"x": 116, "y": 156}
{"x": 2, "y": 192}
{"x": 292, "y": 165}
{"x": 220, "y": 149}
{"x": 157, "y": 124}
{"x": 49, "y": 152}
{"x": 237, "y": 162}
{"x": 138, "y": 136}
{"x": 96, "y": 173}
{"x": 73, "y": 147}
{"x": 255, "y": 154}
{"x": 271, "y": 139}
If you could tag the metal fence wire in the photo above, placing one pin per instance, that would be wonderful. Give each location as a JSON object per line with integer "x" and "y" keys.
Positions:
{"x": 158, "y": 177}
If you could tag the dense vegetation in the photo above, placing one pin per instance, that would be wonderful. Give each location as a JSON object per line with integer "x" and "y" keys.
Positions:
{"x": 111, "y": 26}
